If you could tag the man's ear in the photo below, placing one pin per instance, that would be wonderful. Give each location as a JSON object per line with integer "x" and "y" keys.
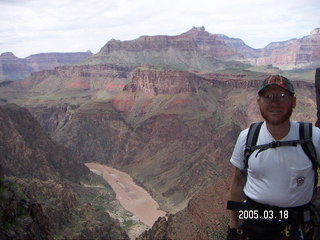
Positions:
{"x": 258, "y": 100}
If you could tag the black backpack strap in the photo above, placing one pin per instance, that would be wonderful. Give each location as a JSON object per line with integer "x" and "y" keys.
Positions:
{"x": 275, "y": 144}
{"x": 251, "y": 142}
{"x": 305, "y": 139}
{"x": 305, "y": 133}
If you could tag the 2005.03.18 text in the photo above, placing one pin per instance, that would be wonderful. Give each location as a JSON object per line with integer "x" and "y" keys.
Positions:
{"x": 266, "y": 214}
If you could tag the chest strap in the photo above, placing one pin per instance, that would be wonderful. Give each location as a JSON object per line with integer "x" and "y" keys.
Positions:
{"x": 276, "y": 144}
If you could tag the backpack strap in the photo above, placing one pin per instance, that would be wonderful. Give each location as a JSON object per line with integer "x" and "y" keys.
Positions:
{"x": 305, "y": 133}
{"x": 305, "y": 140}
{"x": 275, "y": 144}
{"x": 251, "y": 142}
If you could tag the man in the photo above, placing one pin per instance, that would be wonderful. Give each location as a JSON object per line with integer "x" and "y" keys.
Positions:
{"x": 279, "y": 181}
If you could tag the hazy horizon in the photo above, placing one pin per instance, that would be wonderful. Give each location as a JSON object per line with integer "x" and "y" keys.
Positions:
{"x": 31, "y": 27}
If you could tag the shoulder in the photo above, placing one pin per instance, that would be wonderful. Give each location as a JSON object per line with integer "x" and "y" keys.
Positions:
{"x": 316, "y": 135}
{"x": 243, "y": 137}
{"x": 316, "y": 130}
{"x": 244, "y": 133}
{"x": 316, "y": 140}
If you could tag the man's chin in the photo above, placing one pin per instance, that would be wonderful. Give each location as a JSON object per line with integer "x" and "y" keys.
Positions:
{"x": 276, "y": 120}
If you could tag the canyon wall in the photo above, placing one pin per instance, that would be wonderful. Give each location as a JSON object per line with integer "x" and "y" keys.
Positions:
{"x": 40, "y": 192}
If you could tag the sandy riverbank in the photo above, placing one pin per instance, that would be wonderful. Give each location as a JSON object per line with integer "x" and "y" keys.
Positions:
{"x": 131, "y": 196}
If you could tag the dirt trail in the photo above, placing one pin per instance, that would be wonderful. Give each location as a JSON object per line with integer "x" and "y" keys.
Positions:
{"x": 131, "y": 196}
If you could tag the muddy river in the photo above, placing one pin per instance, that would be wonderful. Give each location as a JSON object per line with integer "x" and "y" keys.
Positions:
{"x": 131, "y": 196}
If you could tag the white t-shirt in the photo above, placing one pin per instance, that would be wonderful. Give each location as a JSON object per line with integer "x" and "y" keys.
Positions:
{"x": 281, "y": 176}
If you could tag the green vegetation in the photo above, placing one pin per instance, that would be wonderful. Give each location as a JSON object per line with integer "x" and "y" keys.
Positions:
{"x": 128, "y": 224}
{"x": 301, "y": 74}
{"x": 14, "y": 209}
{"x": 219, "y": 232}
{"x": 102, "y": 199}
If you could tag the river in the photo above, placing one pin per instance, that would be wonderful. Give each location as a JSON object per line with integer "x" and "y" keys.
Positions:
{"x": 132, "y": 197}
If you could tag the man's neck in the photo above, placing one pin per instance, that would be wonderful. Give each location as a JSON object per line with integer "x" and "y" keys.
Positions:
{"x": 279, "y": 131}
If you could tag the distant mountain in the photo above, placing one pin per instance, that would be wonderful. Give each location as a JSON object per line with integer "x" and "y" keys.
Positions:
{"x": 193, "y": 50}
{"x": 200, "y": 50}
{"x": 14, "y": 68}
{"x": 291, "y": 54}
{"x": 240, "y": 47}
{"x": 295, "y": 53}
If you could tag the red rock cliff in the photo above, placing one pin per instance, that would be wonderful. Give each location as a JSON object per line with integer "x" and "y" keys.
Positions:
{"x": 292, "y": 53}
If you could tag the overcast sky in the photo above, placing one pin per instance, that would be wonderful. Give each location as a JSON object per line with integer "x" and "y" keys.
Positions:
{"x": 33, "y": 26}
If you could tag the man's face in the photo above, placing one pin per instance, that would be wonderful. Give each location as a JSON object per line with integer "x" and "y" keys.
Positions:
{"x": 276, "y": 105}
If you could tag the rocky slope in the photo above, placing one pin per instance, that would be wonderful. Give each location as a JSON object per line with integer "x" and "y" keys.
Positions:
{"x": 41, "y": 196}
{"x": 36, "y": 209}
{"x": 14, "y": 68}
{"x": 205, "y": 217}
{"x": 101, "y": 80}
{"x": 20, "y": 218}
{"x": 164, "y": 81}
{"x": 25, "y": 147}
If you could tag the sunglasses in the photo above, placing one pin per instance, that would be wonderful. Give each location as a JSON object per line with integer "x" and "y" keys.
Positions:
{"x": 270, "y": 97}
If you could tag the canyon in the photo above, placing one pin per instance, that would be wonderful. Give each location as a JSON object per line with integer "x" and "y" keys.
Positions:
{"x": 40, "y": 191}
{"x": 166, "y": 110}
{"x": 13, "y": 68}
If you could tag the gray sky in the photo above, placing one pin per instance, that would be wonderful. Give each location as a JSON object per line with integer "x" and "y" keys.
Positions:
{"x": 33, "y": 26}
